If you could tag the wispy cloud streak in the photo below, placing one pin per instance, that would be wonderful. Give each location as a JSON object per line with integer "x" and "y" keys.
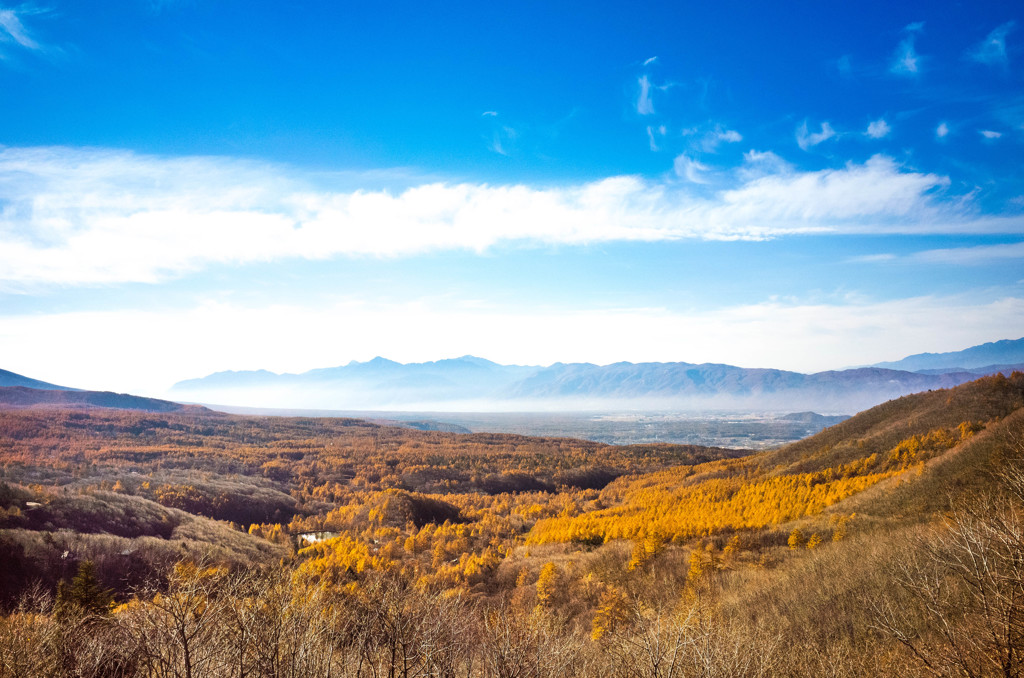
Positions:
{"x": 644, "y": 104}
{"x": 13, "y": 30}
{"x": 906, "y": 61}
{"x": 951, "y": 256}
{"x": 992, "y": 50}
{"x": 689, "y": 169}
{"x": 972, "y": 256}
{"x": 806, "y": 139}
{"x": 713, "y": 139}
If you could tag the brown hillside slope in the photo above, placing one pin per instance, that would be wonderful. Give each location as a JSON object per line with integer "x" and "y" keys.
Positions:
{"x": 886, "y": 443}
{"x": 881, "y": 428}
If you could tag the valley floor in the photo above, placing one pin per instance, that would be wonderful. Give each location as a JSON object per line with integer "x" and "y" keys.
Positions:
{"x": 735, "y": 429}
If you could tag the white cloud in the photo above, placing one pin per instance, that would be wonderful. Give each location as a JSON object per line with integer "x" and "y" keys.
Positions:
{"x": 873, "y": 197}
{"x": 114, "y": 350}
{"x": 878, "y": 129}
{"x": 489, "y": 114}
{"x": 649, "y": 61}
{"x": 689, "y": 169}
{"x": 755, "y": 156}
{"x": 718, "y": 136}
{"x": 906, "y": 61}
{"x": 12, "y": 29}
{"x": 644, "y": 105}
{"x": 760, "y": 163}
{"x": 806, "y": 140}
{"x": 942, "y": 130}
{"x": 992, "y": 50}
{"x": 81, "y": 216}
{"x": 990, "y": 134}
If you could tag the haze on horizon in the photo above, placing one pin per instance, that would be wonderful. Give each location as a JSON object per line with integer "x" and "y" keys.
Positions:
{"x": 190, "y": 186}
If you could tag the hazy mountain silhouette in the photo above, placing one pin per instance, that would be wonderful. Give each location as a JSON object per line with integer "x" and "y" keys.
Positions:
{"x": 988, "y": 357}
{"x": 17, "y": 390}
{"x": 13, "y": 379}
{"x": 475, "y": 383}
{"x": 381, "y": 381}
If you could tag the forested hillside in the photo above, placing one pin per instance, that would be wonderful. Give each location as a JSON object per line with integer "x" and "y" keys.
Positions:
{"x": 204, "y": 544}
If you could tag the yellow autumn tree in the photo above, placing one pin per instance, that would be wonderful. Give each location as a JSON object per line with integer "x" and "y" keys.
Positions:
{"x": 612, "y": 612}
{"x": 547, "y": 584}
{"x": 644, "y": 550}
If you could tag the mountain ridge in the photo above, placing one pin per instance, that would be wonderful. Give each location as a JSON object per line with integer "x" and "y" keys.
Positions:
{"x": 469, "y": 382}
{"x": 1002, "y": 352}
{"x": 8, "y": 378}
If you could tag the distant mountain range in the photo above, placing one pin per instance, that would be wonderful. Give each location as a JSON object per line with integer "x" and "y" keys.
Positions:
{"x": 1005, "y": 353}
{"x": 475, "y": 384}
{"x": 472, "y": 383}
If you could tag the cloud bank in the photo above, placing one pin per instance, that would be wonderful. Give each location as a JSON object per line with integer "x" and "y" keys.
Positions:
{"x": 88, "y": 216}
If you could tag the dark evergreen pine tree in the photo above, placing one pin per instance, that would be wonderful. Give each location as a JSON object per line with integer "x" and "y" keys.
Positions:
{"x": 85, "y": 594}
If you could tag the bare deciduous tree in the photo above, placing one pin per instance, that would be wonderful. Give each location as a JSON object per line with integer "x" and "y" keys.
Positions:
{"x": 963, "y": 607}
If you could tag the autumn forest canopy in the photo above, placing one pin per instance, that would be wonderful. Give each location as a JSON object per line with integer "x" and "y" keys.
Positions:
{"x": 197, "y": 543}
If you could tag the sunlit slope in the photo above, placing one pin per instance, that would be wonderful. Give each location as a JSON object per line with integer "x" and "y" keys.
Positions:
{"x": 904, "y": 439}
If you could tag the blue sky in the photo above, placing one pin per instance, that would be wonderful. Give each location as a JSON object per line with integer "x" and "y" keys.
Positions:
{"x": 196, "y": 185}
